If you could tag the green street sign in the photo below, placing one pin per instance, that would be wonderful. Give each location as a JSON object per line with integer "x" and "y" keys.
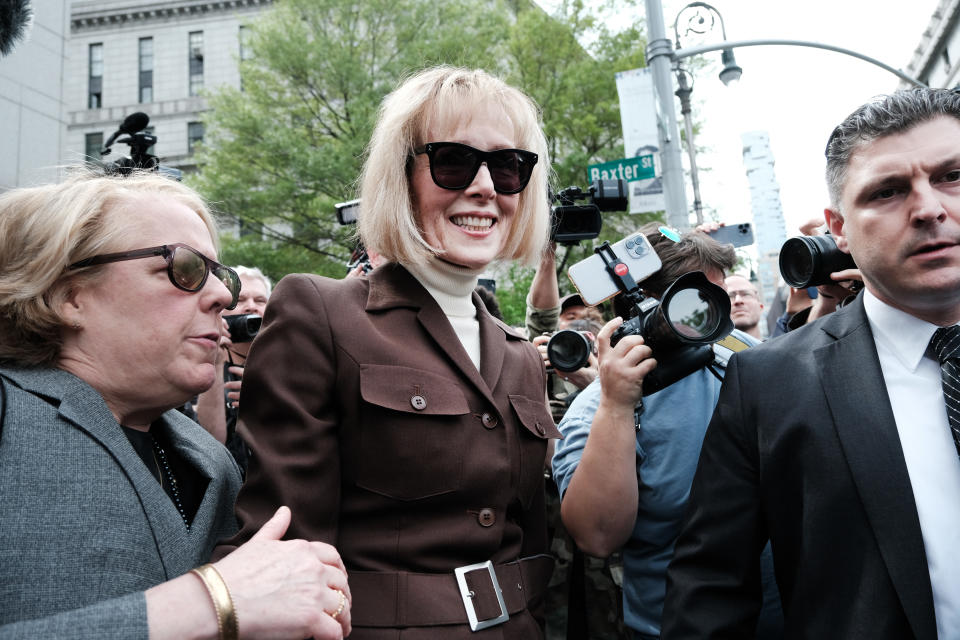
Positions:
{"x": 629, "y": 169}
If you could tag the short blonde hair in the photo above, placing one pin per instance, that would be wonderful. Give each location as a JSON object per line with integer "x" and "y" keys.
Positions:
{"x": 46, "y": 228}
{"x": 387, "y": 221}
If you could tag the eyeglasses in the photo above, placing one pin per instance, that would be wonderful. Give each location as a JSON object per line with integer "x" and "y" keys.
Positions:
{"x": 454, "y": 166}
{"x": 745, "y": 294}
{"x": 187, "y": 268}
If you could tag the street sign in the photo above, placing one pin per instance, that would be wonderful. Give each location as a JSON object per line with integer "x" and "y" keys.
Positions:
{"x": 629, "y": 169}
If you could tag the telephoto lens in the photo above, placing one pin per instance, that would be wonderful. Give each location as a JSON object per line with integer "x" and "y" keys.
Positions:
{"x": 569, "y": 350}
{"x": 808, "y": 261}
{"x": 244, "y": 327}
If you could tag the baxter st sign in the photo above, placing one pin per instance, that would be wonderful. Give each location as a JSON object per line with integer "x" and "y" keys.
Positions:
{"x": 629, "y": 169}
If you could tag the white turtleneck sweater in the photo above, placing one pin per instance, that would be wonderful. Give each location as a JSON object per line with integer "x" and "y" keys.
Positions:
{"x": 452, "y": 287}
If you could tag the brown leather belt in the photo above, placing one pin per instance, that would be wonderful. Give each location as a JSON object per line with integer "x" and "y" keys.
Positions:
{"x": 404, "y": 599}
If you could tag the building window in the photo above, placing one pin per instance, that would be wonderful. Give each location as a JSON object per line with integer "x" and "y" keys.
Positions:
{"x": 93, "y": 143}
{"x": 194, "y": 134}
{"x": 196, "y": 62}
{"x": 246, "y": 53}
{"x": 146, "y": 70}
{"x": 95, "y": 84}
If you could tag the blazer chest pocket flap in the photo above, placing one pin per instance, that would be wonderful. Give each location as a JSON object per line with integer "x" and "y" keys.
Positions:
{"x": 411, "y": 432}
{"x": 535, "y": 416}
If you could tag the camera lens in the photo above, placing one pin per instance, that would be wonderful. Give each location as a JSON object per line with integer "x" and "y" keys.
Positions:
{"x": 244, "y": 327}
{"x": 808, "y": 261}
{"x": 569, "y": 350}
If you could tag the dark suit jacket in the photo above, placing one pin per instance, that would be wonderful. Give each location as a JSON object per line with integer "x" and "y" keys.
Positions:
{"x": 803, "y": 448}
{"x": 366, "y": 416}
{"x": 85, "y": 528}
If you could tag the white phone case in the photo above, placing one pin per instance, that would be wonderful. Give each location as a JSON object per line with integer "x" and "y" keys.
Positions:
{"x": 595, "y": 284}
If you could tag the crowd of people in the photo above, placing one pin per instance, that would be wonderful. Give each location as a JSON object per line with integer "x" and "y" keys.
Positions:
{"x": 384, "y": 457}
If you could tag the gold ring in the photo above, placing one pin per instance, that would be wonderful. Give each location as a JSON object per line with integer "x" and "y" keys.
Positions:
{"x": 343, "y": 603}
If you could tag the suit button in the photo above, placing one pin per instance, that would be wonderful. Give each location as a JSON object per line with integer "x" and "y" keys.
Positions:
{"x": 540, "y": 428}
{"x": 489, "y": 420}
{"x": 418, "y": 402}
{"x": 486, "y": 517}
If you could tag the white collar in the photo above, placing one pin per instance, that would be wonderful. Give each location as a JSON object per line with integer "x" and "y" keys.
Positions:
{"x": 906, "y": 336}
{"x": 451, "y": 286}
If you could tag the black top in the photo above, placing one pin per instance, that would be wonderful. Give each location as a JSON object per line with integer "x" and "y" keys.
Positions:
{"x": 190, "y": 484}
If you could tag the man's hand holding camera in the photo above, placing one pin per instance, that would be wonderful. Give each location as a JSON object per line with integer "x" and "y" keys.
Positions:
{"x": 622, "y": 369}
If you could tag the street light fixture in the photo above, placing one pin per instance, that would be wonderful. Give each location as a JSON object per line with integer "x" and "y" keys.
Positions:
{"x": 661, "y": 56}
{"x": 701, "y": 20}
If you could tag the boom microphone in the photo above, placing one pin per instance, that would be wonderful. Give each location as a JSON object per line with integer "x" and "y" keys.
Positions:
{"x": 15, "y": 16}
{"x": 133, "y": 123}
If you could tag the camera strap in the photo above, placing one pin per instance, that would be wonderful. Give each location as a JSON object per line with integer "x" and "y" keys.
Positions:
{"x": 723, "y": 349}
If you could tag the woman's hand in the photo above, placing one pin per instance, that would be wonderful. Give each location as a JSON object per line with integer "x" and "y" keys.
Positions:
{"x": 287, "y": 589}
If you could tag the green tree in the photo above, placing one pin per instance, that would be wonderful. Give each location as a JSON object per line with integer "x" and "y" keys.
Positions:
{"x": 280, "y": 152}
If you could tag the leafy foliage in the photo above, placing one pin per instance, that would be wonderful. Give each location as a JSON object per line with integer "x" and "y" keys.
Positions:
{"x": 279, "y": 153}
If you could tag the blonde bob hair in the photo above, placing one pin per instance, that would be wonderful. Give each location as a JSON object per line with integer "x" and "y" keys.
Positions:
{"x": 433, "y": 99}
{"x": 46, "y": 228}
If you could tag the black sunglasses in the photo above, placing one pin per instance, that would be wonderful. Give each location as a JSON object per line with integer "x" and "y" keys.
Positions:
{"x": 187, "y": 268}
{"x": 453, "y": 166}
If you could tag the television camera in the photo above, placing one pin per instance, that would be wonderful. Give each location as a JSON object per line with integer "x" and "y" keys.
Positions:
{"x": 139, "y": 142}
{"x": 572, "y": 222}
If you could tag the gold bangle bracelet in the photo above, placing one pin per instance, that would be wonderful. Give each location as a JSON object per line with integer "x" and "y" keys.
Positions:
{"x": 227, "y": 624}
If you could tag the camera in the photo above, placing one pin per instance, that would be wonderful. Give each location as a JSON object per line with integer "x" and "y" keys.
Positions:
{"x": 680, "y": 328}
{"x": 243, "y": 327}
{"x": 347, "y": 214}
{"x": 569, "y": 350}
{"x": 572, "y": 222}
{"x": 139, "y": 142}
{"x": 808, "y": 261}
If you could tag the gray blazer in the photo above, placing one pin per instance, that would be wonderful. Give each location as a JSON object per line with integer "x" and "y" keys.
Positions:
{"x": 85, "y": 528}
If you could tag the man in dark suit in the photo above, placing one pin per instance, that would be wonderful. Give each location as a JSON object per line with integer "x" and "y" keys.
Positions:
{"x": 834, "y": 441}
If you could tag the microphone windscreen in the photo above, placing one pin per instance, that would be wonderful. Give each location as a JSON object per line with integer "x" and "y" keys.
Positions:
{"x": 135, "y": 122}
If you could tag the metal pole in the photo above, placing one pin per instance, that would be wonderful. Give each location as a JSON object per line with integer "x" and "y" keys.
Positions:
{"x": 659, "y": 58}
{"x": 683, "y": 92}
{"x": 679, "y": 54}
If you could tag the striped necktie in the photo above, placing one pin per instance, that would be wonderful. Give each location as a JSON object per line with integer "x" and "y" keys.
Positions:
{"x": 946, "y": 345}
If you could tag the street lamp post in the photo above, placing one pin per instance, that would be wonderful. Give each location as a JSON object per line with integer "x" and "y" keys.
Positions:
{"x": 699, "y": 23}
{"x": 661, "y": 56}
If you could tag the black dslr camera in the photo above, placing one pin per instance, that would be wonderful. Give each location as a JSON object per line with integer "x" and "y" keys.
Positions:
{"x": 569, "y": 350}
{"x": 680, "y": 328}
{"x": 243, "y": 327}
{"x": 808, "y": 261}
{"x": 139, "y": 142}
{"x": 572, "y": 222}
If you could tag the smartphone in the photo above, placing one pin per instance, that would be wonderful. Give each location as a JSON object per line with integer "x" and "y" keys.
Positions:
{"x": 739, "y": 235}
{"x": 595, "y": 284}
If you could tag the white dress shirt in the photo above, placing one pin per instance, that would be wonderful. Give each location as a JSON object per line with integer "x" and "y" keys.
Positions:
{"x": 912, "y": 377}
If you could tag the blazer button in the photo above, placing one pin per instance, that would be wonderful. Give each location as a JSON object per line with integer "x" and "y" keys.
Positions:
{"x": 418, "y": 402}
{"x": 486, "y": 517}
{"x": 540, "y": 428}
{"x": 489, "y": 420}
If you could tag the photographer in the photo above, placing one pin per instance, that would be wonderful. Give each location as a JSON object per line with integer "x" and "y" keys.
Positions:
{"x": 218, "y": 406}
{"x": 626, "y": 486}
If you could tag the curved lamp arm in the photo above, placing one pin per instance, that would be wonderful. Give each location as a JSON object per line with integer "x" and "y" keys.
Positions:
{"x": 679, "y": 54}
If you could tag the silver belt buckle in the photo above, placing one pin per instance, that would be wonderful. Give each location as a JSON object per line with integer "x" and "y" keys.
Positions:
{"x": 467, "y": 596}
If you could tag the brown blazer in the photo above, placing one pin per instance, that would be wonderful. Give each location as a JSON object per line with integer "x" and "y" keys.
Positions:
{"x": 368, "y": 419}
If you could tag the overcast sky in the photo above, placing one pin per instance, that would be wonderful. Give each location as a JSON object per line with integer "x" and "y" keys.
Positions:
{"x": 795, "y": 94}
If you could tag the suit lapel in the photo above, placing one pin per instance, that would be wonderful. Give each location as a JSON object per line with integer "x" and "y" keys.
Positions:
{"x": 855, "y": 392}
{"x": 82, "y": 406}
{"x": 393, "y": 286}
